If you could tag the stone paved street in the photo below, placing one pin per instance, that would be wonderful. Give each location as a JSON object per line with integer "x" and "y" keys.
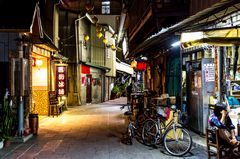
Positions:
{"x": 87, "y": 132}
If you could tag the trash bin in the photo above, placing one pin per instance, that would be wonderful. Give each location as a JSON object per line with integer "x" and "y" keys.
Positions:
{"x": 33, "y": 123}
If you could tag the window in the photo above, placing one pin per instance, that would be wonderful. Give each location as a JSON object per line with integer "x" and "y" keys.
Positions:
{"x": 105, "y": 7}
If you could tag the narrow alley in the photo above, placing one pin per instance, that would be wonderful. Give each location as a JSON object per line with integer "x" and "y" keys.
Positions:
{"x": 87, "y": 132}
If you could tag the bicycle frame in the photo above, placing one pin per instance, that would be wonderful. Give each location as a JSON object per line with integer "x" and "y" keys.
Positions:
{"x": 172, "y": 123}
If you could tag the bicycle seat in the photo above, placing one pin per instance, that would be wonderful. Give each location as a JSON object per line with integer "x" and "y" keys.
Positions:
{"x": 128, "y": 113}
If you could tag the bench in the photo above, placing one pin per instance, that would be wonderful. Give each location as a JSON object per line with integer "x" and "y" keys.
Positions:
{"x": 55, "y": 104}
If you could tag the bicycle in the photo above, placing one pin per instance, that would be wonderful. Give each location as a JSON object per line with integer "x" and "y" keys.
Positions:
{"x": 176, "y": 139}
{"x": 131, "y": 128}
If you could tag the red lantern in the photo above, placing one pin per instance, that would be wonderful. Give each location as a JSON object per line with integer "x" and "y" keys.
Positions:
{"x": 142, "y": 66}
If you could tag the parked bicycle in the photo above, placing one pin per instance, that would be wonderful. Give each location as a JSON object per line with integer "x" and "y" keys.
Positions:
{"x": 176, "y": 139}
{"x": 131, "y": 128}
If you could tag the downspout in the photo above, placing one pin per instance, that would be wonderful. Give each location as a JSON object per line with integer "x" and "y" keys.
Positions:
{"x": 21, "y": 91}
{"x": 77, "y": 59}
{"x": 122, "y": 21}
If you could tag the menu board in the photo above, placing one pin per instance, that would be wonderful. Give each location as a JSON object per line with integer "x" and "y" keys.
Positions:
{"x": 61, "y": 79}
{"x": 209, "y": 72}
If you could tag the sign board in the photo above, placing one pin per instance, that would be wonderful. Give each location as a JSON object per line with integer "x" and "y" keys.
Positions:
{"x": 61, "y": 79}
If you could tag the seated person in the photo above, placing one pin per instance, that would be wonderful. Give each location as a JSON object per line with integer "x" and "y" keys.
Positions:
{"x": 221, "y": 120}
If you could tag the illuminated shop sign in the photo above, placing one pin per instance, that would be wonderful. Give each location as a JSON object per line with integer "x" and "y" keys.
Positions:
{"x": 41, "y": 51}
{"x": 61, "y": 79}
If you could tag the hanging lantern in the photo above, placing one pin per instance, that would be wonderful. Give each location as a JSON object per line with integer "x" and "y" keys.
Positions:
{"x": 95, "y": 19}
{"x": 134, "y": 64}
{"x": 113, "y": 47}
{"x": 99, "y": 34}
{"x": 98, "y": 28}
{"x": 86, "y": 37}
{"x": 39, "y": 62}
{"x": 142, "y": 66}
{"x": 105, "y": 41}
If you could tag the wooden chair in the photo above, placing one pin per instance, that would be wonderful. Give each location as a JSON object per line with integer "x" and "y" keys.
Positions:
{"x": 222, "y": 149}
{"x": 53, "y": 104}
{"x": 212, "y": 139}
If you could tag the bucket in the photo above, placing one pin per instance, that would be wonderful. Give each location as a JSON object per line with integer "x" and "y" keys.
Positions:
{"x": 33, "y": 123}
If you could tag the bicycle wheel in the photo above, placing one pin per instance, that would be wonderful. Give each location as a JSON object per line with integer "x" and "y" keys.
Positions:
{"x": 140, "y": 119}
{"x": 130, "y": 134}
{"x": 149, "y": 132}
{"x": 177, "y": 141}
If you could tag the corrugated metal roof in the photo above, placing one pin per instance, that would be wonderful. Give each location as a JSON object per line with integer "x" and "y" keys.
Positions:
{"x": 204, "y": 17}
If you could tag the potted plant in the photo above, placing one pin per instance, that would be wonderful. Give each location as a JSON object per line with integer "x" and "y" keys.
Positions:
{"x": 115, "y": 92}
{"x": 1, "y": 142}
{"x": 7, "y": 120}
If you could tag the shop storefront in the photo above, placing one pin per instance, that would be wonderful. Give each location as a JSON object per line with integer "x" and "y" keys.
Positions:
{"x": 210, "y": 62}
{"x": 40, "y": 80}
{"x": 92, "y": 83}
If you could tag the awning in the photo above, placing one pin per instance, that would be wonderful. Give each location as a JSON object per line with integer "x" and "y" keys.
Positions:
{"x": 218, "y": 37}
{"x": 97, "y": 66}
{"x": 123, "y": 67}
{"x": 203, "y": 18}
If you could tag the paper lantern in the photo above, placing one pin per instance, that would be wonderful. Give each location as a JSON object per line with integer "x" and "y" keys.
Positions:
{"x": 142, "y": 66}
{"x": 86, "y": 37}
{"x": 39, "y": 62}
{"x": 113, "y": 47}
{"x": 105, "y": 41}
{"x": 99, "y": 34}
{"x": 134, "y": 64}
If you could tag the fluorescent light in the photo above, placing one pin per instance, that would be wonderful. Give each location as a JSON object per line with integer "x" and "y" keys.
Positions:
{"x": 176, "y": 44}
{"x": 191, "y": 36}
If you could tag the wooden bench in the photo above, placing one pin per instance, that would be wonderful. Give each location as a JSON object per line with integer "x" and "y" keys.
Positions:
{"x": 55, "y": 105}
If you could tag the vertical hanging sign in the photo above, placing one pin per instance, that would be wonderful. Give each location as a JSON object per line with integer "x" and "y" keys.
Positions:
{"x": 61, "y": 79}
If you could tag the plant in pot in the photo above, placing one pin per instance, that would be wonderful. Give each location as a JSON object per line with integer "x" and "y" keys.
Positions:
{"x": 115, "y": 92}
{"x": 1, "y": 141}
{"x": 7, "y": 120}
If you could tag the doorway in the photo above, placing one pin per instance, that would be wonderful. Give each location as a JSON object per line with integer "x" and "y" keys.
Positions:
{"x": 89, "y": 89}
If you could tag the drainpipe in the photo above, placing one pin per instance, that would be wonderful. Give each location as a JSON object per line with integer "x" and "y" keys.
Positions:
{"x": 122, "y": 21}
{"x": 77, "y": 58}
{"x": 220, "y": 73}
{"x": 21, "y": 91}
{"x": 79, "y": 52}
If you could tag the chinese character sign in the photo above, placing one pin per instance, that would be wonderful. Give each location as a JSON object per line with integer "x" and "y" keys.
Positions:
{"x": 61, "y": 79}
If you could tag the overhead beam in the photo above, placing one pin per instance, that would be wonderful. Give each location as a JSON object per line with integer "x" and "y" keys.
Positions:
{"x": 140, "y": 24}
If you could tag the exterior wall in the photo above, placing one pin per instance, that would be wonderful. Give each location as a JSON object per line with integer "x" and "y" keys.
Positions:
{"x": 110, "y": 56}
{"x": 72, "y": 87}
{"x": 84, "y": 46}
{"x": 7, "y": 44}
{"x": 83, "y": 89}
{"x": 97, "y": 49}
{"x": 196, "y": 6}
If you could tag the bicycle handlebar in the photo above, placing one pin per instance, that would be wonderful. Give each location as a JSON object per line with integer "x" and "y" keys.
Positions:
{"x": 122, "y": 107}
